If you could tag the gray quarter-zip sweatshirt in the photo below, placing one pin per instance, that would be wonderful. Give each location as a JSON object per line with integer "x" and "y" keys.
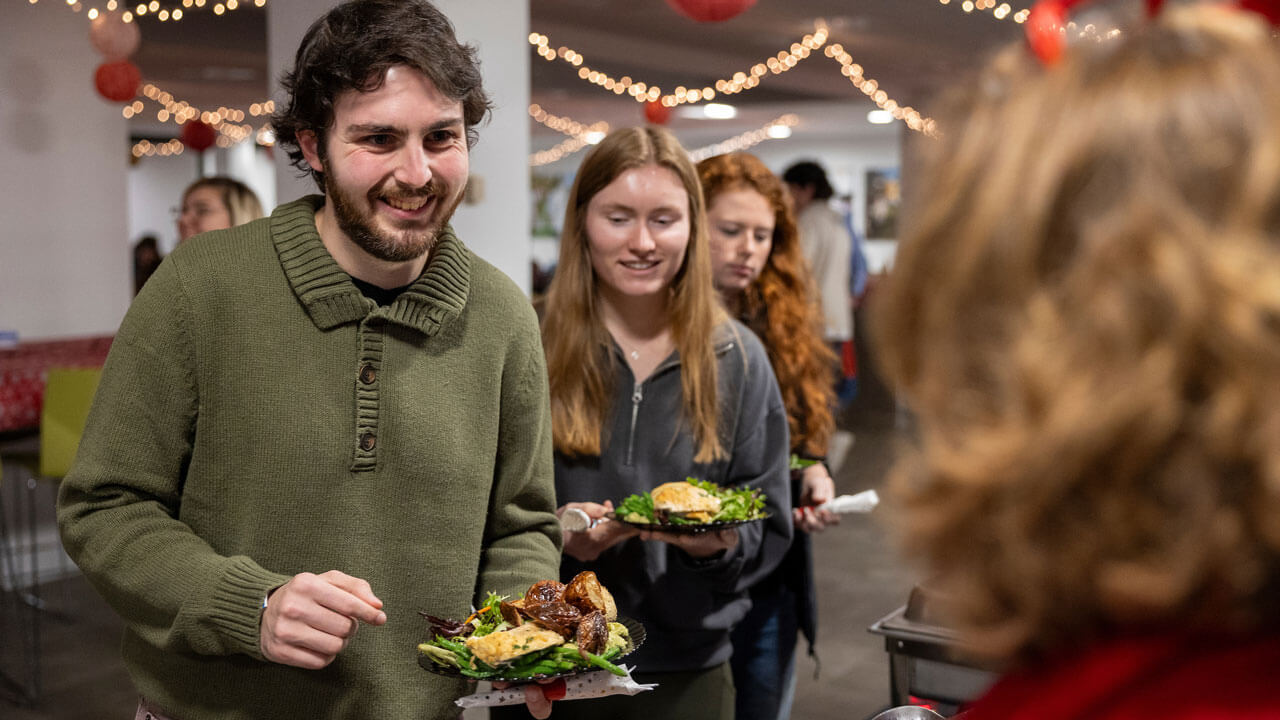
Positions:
{"x": 687, "y": 605}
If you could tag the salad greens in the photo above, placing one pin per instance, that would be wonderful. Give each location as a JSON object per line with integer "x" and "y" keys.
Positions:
{"x": 448, "y": 648}
{"x": 799, "y": 463}
{"x": 736, "y": 504}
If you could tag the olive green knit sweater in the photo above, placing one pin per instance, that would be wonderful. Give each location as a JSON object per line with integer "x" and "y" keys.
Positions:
{"x": 258, "y": 417}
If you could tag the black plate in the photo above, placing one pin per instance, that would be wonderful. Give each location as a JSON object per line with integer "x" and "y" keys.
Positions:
{"x": 677, "y": 529}
{"x": 634, "y": 629}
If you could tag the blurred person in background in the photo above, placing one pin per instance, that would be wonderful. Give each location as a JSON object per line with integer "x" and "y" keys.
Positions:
{"x": 827, "y": 245}
{"x": 216, "y": 203}
{"x": 146, "y": 258}
{"x": 764, "y": 282}
{"x": 1085, "y": 317}
{"x": 652, "y": 382}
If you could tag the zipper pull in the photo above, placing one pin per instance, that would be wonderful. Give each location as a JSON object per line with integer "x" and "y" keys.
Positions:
{"x": 638, "y": 394}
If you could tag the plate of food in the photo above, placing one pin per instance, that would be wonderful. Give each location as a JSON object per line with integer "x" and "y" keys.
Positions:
{"x": 553, "y": 630}
{"x": 692, "y": 506}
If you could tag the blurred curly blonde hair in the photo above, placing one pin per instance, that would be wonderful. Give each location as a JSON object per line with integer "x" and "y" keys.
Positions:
{"x": 1085, "y": 317}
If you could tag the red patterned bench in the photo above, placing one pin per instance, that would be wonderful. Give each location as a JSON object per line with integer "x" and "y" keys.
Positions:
{"x": 23, "y": 370}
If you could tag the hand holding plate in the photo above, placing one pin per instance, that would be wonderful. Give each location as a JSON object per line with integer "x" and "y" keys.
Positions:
{"x": 601, "y": 535}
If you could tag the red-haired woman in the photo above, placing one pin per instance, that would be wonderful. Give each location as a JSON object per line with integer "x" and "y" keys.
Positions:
{"x": 761, "y": 275}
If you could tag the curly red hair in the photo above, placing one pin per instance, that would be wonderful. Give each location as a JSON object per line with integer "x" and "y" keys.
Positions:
{"x": 779, "y": 306}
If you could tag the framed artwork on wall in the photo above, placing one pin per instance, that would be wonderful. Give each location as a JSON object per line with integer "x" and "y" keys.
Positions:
{"x": 884, "y": 197}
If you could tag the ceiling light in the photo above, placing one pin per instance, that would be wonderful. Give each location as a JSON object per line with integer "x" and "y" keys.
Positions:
{"x": 879, "y": 117}
{"x": 778, "y": 132}
{"x": 719, "y": 111}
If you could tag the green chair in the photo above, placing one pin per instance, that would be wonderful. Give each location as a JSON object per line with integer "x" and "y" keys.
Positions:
{"x": 68, "y": 393}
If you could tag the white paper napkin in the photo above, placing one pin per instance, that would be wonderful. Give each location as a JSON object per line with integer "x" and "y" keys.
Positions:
{"x": 594, "y": 684}
{"x": 863, "y": 502}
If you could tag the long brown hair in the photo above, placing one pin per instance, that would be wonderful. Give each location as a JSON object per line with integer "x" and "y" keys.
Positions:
{"x": 1085, "y": 316}
{"x": 779, "y": 306}
{"x": 579, "y": 358}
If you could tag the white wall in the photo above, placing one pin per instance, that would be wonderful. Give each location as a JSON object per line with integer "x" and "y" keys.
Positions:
{"x": 497, "y": 227}
{"x": 65, "y": 257}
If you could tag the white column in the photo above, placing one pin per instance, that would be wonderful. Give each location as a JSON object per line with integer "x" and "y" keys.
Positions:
{"x": 65, "y": 255}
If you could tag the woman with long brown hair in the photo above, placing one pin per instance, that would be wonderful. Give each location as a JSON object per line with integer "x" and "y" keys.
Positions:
{"x": 651, "y": 382}
{"x": 759, "y": 269}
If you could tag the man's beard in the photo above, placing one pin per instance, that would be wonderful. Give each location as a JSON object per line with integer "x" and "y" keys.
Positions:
{"x": 359, "y": 223}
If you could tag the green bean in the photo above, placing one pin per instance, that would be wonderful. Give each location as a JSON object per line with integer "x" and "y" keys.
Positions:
{"x": 605, "y": 664}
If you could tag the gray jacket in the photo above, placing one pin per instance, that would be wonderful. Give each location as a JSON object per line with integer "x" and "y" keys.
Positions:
{"x": 687, "y": 605}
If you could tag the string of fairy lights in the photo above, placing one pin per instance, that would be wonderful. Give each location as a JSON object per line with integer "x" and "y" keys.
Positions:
{"x": 1004, "y": 11}
{"x": 1000, "y": 12}
{"x": 742, "y": 80}
{"x": 229, "y": 122}
{"x": 641, "y": 91}
{"x": 164, "y": 12}
{"x": 581, "y": 135}
{"x": 231, "y": 129}
{"x": 871, "y": 89}
{"x": 777, "y": 129}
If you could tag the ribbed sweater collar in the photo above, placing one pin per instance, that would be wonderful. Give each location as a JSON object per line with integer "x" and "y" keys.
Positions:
{"x": 331, "y": 299}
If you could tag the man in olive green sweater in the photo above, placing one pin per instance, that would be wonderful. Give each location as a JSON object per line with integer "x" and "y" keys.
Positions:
{"x": 330, "y": 417}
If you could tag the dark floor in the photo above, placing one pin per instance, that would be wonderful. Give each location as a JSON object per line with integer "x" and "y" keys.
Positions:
{"x": 859, "y": 581}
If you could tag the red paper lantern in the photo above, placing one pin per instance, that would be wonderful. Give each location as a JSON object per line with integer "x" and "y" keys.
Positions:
{"x": 112, "y": 37}
{"x": 198, "y": 136}
{"x": 657, "y": 113}
{"x": 710, "y": 10}
{"x": 1044, "y": 30}
{"x": 117, "y": 81}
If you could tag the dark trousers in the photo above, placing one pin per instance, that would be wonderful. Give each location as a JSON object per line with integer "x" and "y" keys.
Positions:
{"x": 764, "y": 655}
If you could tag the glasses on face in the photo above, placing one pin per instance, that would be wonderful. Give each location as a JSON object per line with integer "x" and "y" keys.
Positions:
{"x": 199, "y": 211}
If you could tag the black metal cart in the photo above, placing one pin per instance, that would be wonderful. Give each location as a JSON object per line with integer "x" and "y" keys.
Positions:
{"x": 925, "y": 667}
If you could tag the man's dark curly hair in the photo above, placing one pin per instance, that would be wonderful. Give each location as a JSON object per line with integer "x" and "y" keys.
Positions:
{"x": 352, "y": 47}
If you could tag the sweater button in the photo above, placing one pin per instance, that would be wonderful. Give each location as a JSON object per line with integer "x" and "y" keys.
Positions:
{"x": 368, "y": 374}
{"x": 368, "y": 441}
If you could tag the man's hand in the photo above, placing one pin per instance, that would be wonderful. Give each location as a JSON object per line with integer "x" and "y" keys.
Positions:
{"x": 816, "y": 487}
{"x": 701, "y": 545}
{"x": 311, "y": 618}
{"x": 587, "y": 545}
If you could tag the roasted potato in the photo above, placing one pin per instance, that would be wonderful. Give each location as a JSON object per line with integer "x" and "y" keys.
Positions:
{"x": 555, "y": 615}
{"x": 593, "y": 634}
{"x": 587, "y": 594}
{"x": 511, "y": 613}
{"x": 545, "y": 591}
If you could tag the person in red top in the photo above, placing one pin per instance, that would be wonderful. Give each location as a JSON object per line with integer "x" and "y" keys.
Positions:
{"x": 1084, "y": 316}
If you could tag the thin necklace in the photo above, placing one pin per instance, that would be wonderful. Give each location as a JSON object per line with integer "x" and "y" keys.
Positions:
{"x": 635, "y": 350}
